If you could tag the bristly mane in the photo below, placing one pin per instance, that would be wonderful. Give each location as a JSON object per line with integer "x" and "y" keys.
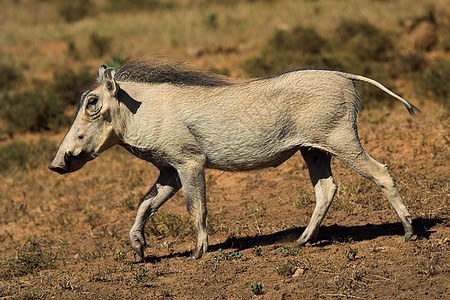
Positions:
{"x": 154, "y": 71}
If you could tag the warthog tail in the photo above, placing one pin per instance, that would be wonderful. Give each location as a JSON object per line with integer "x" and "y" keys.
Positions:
{"x": 410, "y": 107}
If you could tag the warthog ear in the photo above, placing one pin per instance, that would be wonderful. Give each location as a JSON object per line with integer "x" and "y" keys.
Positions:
{"x": 106, "y": 77}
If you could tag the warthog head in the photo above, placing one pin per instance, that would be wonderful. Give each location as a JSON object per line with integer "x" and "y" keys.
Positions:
{"x": 91, "y": 132}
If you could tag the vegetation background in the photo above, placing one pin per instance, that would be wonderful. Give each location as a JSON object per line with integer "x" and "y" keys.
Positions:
{"x": 66, "y": 236}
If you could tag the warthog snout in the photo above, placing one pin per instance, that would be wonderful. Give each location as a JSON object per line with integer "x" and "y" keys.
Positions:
{"x": 68, "y": 162}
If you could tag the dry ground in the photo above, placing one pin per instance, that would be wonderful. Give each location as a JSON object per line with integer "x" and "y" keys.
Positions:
{"x": 69, "y": 234}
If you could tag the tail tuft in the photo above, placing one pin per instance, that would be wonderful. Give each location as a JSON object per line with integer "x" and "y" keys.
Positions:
{"x": 412, "y": 109}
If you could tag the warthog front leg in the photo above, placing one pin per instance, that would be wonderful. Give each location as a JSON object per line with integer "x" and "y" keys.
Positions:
{"x": 192, "y": 178}
{"x": 165, "y": 187}
{"x": 322, "y": 179}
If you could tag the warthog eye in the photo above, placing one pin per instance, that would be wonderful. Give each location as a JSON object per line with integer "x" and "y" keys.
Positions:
{"x": 92, "y": 101}
{"x": 92, "y": 105}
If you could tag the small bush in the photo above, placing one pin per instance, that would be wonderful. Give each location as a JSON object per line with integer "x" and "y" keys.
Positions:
{"x": 32, "y": 111}
{"x": 9, "y": 76}
{"x": 74, "y": 10}
{"x": 404, "y": 64}
{"x": 305, "y": 40}
{"x": 124, "y": 5}
{"x": 25, "y": 155}
{"x": 43, "y": 107}
{"x": 68, "y": 85}
{"x": 30, "y": 259}
{"x": 434, "y": 81}
{"x": 99, "y": 45}
{"x": 363, "y": 40}
{"x": 290, "y": 49}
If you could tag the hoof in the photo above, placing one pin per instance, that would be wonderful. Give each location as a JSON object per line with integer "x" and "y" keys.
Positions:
{"x": 140, "y": 251}
{"x": 407, "y": 237}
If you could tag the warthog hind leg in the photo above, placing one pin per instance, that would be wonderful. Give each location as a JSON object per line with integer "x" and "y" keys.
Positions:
{"x": 165, "y": 187}
{"x": 378, "y": 173}
{"x": 318, "y": 163}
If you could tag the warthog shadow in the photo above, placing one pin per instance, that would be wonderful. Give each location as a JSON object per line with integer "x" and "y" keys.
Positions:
{"x": 327, "y": 235}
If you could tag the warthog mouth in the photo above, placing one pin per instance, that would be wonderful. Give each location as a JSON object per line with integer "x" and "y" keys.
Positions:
{"x": 72, "y": 163}
{"x": 59, "y": 170}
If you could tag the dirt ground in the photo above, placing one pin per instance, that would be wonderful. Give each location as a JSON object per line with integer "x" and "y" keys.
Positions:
{"x": 79, "y": 223}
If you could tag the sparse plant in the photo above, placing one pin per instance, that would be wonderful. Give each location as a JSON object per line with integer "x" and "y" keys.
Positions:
{"x": 121, "y": 254}
{"x": 287, "y": 268}
{"x": 351, "y": 253}
{"x": 227, "y": 256}
{"x": 304, "y": 199}
{"x": 211, "y": 19}
{"x": 30, "y": 259}
{"x": 168, "y": 224}
{"x": 141, "y": 274}
{"x": 116, "y": 61}
{"x": 167, "y": 245}
{"x": 288, "y": 251}
{"x": 257, "y": 250}
{"x": 256, "y": 287}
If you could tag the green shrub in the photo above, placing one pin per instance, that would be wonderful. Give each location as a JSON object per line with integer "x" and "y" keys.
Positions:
{"x": 19, "y": 155}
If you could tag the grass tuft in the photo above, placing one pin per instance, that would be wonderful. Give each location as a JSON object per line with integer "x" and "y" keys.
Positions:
{"x": 30, "y": 259}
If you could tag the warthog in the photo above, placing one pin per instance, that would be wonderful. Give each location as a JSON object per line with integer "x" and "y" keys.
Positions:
{"x": 184, "y": 121}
